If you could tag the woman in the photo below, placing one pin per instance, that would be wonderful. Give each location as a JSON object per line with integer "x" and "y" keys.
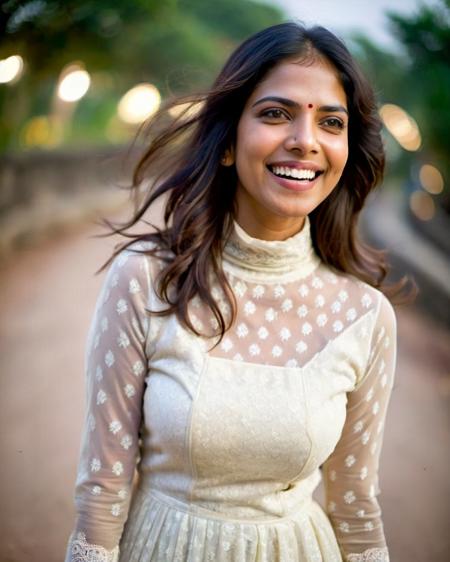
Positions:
{"x": 266, "y": 361}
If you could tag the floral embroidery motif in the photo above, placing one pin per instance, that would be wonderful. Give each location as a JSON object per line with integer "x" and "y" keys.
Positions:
{"x": 130, "y": 391}
{"x": 82, "y": 551}
{"x": 126, "y": 442}
{"x": 138, "y": 368}
{"x": 117, "y": 468}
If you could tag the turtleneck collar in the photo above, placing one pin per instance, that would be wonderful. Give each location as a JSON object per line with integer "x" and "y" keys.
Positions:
{"x": 271, "y": 260}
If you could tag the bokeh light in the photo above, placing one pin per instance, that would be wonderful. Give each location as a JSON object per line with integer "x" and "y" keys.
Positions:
{"x": 37, "y": 132}
{"x": 139, "y": 103}
{"x": 11, "y": 69}
{"x": 73, "y": 84}
{"x": 422, "y": 205}
{"x": 431, "y": 179}
{"x": 401, "y": 126}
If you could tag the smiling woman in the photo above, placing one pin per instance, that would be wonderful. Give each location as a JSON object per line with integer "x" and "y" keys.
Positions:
{"x": 244, "y": 351}
{"x": 289, "y": 157}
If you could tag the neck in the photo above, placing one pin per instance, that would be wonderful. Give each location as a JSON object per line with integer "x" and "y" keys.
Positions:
{"x": 276, "y": 260}
{"x": 281, "y": 229}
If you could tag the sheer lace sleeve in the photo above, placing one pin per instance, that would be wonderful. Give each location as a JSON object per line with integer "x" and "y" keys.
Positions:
{"x": 115, "y": 370}
{"x": 351, "y": 472}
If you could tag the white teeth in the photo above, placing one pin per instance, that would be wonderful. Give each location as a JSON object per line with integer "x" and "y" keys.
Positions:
{"x": 294, "y": 173}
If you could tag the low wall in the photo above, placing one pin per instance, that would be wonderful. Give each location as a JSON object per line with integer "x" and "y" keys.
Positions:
{"x": 411, "y": 253}
{"x": 43, "y": 191}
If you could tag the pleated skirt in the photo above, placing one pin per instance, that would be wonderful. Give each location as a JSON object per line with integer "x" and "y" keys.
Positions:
{"x": 162, "y": 529}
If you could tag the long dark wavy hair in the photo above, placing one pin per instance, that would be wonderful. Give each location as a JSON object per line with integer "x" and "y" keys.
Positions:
{"x": 183, "y": 162}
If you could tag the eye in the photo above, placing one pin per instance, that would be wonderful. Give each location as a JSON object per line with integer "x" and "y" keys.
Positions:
{"x": 334, "y": 123}
{"x": 274, "y": 113}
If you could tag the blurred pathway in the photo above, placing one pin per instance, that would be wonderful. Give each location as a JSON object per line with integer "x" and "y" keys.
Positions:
{"x": 47, "y": 295}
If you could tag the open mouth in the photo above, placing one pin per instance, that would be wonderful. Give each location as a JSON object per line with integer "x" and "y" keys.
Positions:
{"x": 295, "y": 173}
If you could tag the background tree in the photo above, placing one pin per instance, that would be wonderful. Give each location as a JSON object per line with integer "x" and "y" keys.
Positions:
{"x": 176, "y": 45}
{"x": 418, "y": 79}
{"x": 426, "y": 38}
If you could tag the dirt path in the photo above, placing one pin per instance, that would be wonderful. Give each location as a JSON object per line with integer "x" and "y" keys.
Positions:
{"x": 47, "y": 295}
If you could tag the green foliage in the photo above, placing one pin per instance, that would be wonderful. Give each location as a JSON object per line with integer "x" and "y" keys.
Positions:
{"x": 177, "y": 45}
{"x": 234, "y": 19}
{"x": 418, "y": 79}
{"x": 426, "y": 37}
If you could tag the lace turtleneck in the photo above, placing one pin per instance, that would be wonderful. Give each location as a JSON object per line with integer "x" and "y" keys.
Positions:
{"x": 280, "y": 260}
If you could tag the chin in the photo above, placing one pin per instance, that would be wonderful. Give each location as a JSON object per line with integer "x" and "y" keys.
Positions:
{"x": 296, "y": 213}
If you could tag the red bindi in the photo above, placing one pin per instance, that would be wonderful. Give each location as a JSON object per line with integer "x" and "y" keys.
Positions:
{"x": 310, "y": 105}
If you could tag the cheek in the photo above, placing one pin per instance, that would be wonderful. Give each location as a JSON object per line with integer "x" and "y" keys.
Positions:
{"x": 338, "y": 152}
{"x": 254, "y": 144}
{"x": 343, "y": 157}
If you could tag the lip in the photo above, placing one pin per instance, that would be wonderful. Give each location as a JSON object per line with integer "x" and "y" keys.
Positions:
{"x": 297, "y": 165}
{"x": 295, "y": 185}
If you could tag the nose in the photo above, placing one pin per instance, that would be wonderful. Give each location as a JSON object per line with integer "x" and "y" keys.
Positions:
{"x": 302, "y": 135}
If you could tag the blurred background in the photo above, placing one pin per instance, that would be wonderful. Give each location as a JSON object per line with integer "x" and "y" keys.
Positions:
{"x": 77, "y": 79}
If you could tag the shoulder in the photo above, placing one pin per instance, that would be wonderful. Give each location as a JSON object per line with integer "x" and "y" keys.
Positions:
{"x": 134, "y": 274}
{"x": 384, "y": 321}
{"x": 138, "y": 258}
{"x": 131, "y": 268}
{"x": 366, "y": 300}
{"x": 370, "y": 298}
{"x": 384, "y": 312}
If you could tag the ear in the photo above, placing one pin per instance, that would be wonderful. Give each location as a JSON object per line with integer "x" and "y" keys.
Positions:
{"x": 228, "y": 157}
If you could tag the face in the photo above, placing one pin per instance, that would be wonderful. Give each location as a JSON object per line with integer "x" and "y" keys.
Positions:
{"x": 291, "y": 147}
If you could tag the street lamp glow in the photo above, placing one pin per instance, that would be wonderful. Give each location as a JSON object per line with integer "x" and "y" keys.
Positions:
{"x": 10, "y": 68}
{"x": 74, "y": 85}
{"x": 402, "y": 126}
{"x": 139, "y": 103}
{"x": 431, "y": 179}
{"x": 422, "y": 205}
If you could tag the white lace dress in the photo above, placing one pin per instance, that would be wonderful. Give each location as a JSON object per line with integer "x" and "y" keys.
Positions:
{"x": 231, "y": 441}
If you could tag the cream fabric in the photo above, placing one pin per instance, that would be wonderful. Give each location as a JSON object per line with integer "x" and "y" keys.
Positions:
{"x": 232, "y": 440}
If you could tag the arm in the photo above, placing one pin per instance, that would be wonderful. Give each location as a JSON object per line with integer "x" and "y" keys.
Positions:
{"x": 351, "y": 472}
{"x": 115, "y": 371}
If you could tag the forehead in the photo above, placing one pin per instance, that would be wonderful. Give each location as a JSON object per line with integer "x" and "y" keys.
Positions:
{"x": 315, "y": 81}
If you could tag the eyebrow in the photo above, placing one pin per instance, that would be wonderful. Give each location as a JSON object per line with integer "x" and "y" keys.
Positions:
{"x": 290, "y": 103}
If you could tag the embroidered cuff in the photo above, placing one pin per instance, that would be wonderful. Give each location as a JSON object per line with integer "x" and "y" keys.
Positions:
{"x": 371, "y": 555}
{"x": 82, "y": 551}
